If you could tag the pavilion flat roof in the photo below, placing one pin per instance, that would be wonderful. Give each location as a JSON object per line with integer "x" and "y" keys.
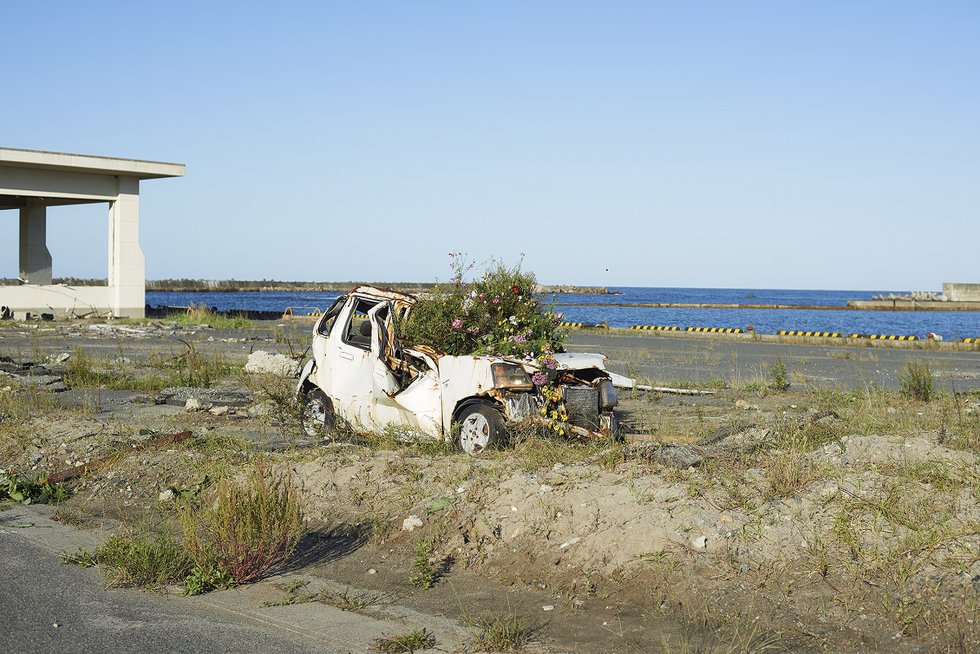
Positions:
{"x": 89, "y": 163}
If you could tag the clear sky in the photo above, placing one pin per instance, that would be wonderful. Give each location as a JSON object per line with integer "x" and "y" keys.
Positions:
{"x": 720, "y": 144}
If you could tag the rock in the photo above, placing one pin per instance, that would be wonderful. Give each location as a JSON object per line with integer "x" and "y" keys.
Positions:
{"x": 46, "y": 382}
{"x": 59, "y": 358}
{"x": 218, "y": 410}
{"x": 260, "y": 410}
{"x": 411, "y": 523}
{"x": 372, "y": 571}
{"x": 192, "y": 404}
{"x": 671, "y": 455}
{"x": 273, "y": 363}
{"x": 167, "y": 495}
{"x": 700, "y": 543}
{"x": 569, "y": 543}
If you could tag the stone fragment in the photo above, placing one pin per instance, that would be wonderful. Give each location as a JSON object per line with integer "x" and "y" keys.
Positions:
{"x": 273, "y": 363}
{"x": 411, "y": 523}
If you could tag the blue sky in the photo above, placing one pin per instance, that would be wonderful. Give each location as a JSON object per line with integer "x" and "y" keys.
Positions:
{"x": 716, "y": 144}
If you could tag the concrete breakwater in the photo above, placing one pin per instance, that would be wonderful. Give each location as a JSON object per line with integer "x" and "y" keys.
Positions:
{"x": 269, "y": 285}
{"x": 853, "y": 305}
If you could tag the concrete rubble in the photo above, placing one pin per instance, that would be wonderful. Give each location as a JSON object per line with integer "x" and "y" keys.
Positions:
{"x": 262, "y": 362}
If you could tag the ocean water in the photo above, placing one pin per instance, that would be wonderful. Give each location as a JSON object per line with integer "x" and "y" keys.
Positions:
{"x": 596, "y": 308}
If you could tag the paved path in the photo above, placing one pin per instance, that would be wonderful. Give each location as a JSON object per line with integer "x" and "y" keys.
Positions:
{"x": 38, "y": 592}
{"x": 664, "y": 359}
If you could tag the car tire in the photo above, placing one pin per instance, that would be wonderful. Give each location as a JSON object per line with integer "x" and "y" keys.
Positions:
{"x": 480, "y": 427}
{"x": 318, "y": 416}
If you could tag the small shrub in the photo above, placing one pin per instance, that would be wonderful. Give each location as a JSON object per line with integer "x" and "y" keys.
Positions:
{"x": 252, "y": 527}
{"x": 787, "y": 474}
{"x": 508, "y": 633}
{"x": 407, "y": 643}
{"x": 423, "y": 575}
{"x": 778, "y": 375}
{"x": 916, "y": 381}
{"x": 205, "y": 579}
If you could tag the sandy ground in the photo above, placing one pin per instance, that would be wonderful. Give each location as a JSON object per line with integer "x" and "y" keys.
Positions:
{"x": 813, "y": 519}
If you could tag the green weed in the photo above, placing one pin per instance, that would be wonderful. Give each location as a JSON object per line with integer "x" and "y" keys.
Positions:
{"x": 506, "y": 633}
{"x": 249, "y": 528}
{"x": 916, "y": 380}
{"x": 423, "y": 575}
{"x": 136, "y": 559}
{"x": 406, "y": 643}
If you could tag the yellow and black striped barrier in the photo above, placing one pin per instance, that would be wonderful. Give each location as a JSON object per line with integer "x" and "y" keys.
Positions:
{"x": 585, "y": 325}
{"x": 971, "y": 339}
{"x": 311, "y": 312}
{"x": 657, "y": 328}
{"x": 885, "y": 337}
{"x": 714, "y": 330}
{"x": 784, "y": 332}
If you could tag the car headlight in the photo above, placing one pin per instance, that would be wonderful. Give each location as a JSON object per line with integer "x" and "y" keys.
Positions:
{"x": 511, "y": 377}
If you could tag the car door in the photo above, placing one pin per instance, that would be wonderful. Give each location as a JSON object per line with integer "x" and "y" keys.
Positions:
{"x": 351, "y": 363}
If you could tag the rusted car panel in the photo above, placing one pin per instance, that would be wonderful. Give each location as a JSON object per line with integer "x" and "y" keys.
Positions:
{"x": 360, "y": 374}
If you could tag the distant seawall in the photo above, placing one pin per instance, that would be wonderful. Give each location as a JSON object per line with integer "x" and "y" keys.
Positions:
{"x": 269, "y": 285}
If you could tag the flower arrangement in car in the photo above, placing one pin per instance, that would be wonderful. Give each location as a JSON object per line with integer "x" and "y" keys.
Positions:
{"x": 499, "y": 314}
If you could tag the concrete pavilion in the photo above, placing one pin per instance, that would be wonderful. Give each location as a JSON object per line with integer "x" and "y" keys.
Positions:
{"x": 31, "y": 181}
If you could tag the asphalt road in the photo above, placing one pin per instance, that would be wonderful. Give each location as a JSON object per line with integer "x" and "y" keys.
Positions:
{"x": 660, "y": 358}
{"x": 49, "y": 607}
{"x": 666, "y": 359}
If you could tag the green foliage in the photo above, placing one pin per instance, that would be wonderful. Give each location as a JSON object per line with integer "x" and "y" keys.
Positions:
{"x": 251, "y": 527}
{"x": 135, "y": 559}
{"x": 498, "y": 314}
{"x": 507, "y": 633}
{"x": 916, "y": 381}
{"x": 191, "y": 368}
{"x": 207, "y": 578}
{"x": 200, "y": 314}
{"x": 405, "y": 644}
{"x": 423, "y": 576}
{"x": 18, "y": 489}
{"x": 778, "y": 375}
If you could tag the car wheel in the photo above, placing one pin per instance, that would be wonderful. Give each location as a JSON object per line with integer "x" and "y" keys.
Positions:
{"x": 318, "y": 416}
{"x": 480, "y": 427}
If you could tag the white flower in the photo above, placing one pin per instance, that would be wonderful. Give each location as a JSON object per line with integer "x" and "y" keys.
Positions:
{"x": 513, "y": 320}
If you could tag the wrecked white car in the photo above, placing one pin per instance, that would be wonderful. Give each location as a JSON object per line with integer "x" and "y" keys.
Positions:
{"x": 359, "y": 374}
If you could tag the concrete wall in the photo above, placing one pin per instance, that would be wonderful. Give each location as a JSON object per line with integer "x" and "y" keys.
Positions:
{"x": 63, "y": 300}
{"x": 961, "y": 292}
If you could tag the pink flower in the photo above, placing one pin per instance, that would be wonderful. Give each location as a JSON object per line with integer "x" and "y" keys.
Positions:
{"x": 539, "y": 378}
{"x": 549, "y": 362}
{"x": 496, "y": 300}
{"x": 457, "y": 324}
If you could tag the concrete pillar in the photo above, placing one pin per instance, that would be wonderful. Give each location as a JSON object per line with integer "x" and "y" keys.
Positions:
{"x": 35, "y": 260}
{"x": 127, "y": 268}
